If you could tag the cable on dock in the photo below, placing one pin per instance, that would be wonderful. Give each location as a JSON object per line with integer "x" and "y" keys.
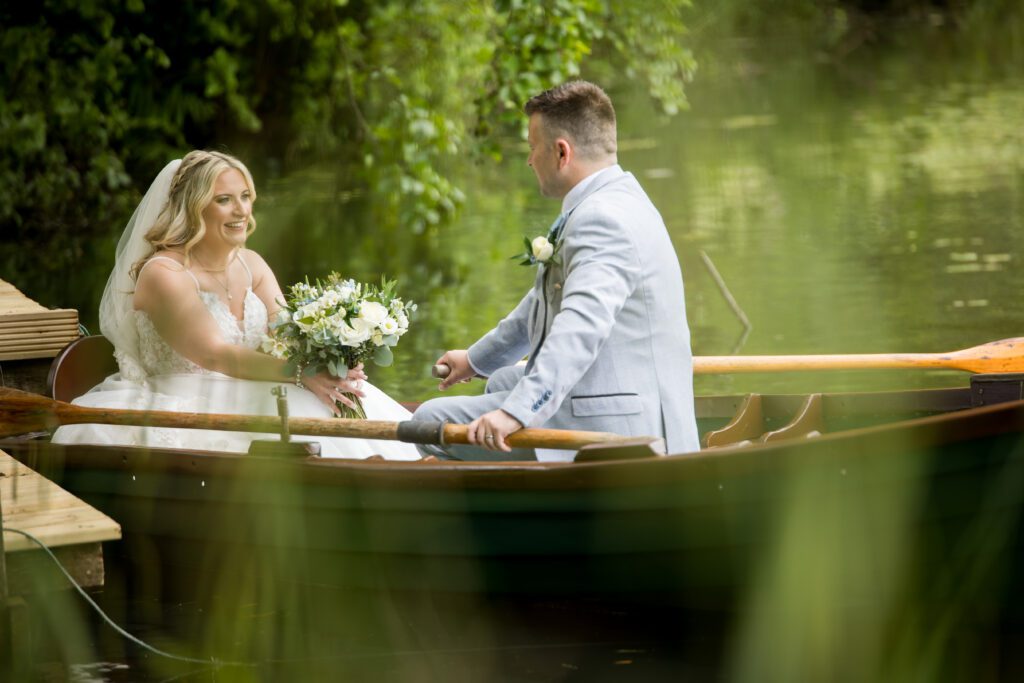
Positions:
{"x": 191, "y": 660}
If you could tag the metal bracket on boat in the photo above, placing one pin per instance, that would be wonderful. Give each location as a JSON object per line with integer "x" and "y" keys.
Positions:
{"x": 422, "y": 431}
{"x": 285, "y": 447}
{"x": 282, "y": 410}
{"x": 992, "y": 388}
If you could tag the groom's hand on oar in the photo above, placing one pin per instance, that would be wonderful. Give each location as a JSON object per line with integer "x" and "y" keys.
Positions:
{"x": 490, "y": 430}
{"x": 459, "y": 368}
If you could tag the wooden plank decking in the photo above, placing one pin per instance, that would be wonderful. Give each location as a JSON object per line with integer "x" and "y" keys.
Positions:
{"x": 67, "y": 525}
{"x": 29, "y": 330}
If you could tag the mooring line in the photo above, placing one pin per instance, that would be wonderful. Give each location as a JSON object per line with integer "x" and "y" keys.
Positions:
{"x": 191, "y": 660}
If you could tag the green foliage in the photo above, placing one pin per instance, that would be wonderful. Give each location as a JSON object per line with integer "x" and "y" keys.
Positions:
{"x": 94, "y": 94}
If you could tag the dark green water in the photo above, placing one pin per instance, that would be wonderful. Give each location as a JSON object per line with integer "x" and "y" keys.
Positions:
{"x": 872, "y": 205}
{"x": 874, "y": 212}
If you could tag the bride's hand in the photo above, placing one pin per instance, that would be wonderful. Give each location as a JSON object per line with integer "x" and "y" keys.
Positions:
{"x": 357, "y": 373}
{"x": 330, "y": 389}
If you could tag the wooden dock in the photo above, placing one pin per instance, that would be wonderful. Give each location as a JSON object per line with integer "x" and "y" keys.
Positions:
{"x": 73, "y": 532}
{"x": 31, "y": 335}
{"x": 71, "y": 528}
{"x": 30, "y": 330}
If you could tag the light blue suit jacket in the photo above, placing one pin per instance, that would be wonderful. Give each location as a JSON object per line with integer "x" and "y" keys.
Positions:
{"x": 606, "y": 332}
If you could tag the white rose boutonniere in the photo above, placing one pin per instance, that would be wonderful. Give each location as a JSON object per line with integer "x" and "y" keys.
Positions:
{"x": 539, "y": 250}
{"x": 542, "y": 249}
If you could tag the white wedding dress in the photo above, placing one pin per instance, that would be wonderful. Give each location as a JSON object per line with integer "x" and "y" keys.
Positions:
{"x": 165, "y": 380}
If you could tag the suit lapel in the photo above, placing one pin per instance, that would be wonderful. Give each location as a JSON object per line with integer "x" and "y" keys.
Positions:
{"x": 540, "y": 318}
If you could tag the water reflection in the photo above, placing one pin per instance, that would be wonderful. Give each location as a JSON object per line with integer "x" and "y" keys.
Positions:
{"x": 882, "y": 222}
{"x": 886, "y": 218}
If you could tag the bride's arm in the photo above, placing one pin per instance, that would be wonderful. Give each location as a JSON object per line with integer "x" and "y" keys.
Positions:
{"x": 264, "y": 283}
{"x": 168, "y": 296}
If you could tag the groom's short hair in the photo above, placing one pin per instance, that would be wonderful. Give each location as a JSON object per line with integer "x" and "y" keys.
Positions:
{"x": 580, "y": 111}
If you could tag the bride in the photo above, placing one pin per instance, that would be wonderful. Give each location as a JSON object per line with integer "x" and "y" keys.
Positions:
{"x": 186, "y": 308}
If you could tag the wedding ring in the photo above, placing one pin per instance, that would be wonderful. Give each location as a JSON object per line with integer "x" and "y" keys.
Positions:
{"x": 489, "y": 437}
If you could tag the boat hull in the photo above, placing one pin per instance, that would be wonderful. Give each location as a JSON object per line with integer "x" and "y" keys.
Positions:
{"x": 696, "y": 529}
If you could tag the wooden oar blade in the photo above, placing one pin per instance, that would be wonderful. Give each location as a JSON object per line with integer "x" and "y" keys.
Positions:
{"x": 1006, "y": 355}
{"x": 22, "y": 412}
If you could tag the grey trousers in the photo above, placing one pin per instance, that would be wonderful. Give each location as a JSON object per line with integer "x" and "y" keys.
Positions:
{"x": 465, "y": 409}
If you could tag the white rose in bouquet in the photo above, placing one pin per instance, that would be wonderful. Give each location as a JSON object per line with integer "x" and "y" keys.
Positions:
{"x": 356, "y": 333}
{"x": 372, "y": 312}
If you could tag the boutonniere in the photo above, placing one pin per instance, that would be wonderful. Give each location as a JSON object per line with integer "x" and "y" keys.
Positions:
{"x": 539, "y": 250}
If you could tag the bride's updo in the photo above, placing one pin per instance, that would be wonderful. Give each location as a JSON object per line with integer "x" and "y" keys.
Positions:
{"x": 180, "y": 226}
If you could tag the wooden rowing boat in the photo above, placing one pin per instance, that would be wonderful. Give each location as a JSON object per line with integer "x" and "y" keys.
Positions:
{"x": 687, "y": 527}
{"x": 879, "y": 513}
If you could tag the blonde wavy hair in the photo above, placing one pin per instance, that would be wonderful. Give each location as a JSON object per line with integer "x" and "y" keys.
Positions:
{"x": 180, "y": 225}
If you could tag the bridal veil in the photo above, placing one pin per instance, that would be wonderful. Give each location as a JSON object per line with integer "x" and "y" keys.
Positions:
{"x": 117, "y": 319}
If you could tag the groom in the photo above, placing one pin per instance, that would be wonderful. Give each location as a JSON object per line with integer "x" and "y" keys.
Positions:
{"x": 604, "y": 325}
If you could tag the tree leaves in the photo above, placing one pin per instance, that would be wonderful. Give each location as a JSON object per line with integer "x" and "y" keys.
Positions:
{"x": 92, "y": 97}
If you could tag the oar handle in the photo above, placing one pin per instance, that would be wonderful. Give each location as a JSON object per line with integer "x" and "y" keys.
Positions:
{"x": 440, "y": 433}
{"x": 440, "y": 371}
{"x": 560, "y": 439}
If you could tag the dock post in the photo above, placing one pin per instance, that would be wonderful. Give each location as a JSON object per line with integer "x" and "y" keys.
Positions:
{"x": 6, "y": 653}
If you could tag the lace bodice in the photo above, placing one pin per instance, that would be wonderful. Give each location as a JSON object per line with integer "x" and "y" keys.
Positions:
{"x": 158, "y": 358}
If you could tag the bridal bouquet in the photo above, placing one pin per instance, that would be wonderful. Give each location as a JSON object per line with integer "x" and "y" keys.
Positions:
{"x": 336, "y": 325}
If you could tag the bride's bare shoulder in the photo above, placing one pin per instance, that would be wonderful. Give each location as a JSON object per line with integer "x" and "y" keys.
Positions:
{"x": 257, "y": 265}
{"x": 253, "y": 259}
{"x": 164, "y": 260}
{"x": 164, "y": 274}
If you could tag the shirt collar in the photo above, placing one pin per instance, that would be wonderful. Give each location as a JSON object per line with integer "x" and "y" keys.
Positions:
{"x": 573, "y": 197}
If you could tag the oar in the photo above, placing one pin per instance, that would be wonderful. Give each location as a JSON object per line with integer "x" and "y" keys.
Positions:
{"x": 998, "y": 356}
{"x": 22, "y": 412}
{"x": 1006, "y": 355}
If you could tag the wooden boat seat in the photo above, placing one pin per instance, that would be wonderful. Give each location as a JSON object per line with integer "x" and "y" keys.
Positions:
{"x": 80, "y": 366}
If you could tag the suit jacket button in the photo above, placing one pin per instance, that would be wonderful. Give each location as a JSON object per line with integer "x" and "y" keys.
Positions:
{"x": 558, "y": 285}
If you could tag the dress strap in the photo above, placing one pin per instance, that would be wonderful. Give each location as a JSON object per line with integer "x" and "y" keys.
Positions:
{"x": 246, "y": 266}
{"x": 165, "y": 258}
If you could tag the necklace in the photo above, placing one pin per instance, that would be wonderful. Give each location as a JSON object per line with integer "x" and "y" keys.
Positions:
{"x": 226, "y": 285}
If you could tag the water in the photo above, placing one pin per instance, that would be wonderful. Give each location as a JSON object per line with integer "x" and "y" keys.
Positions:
{"x": 871, "y": 204}
{"x": 886, "y": 219}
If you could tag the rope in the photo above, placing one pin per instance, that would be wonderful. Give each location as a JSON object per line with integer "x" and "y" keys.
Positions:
{"x": 110, "y": 622}
{"x": 216, "y": 663}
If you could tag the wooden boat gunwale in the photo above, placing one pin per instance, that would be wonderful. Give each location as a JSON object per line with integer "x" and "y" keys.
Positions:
{"x": 688, "y": 526}
{"x": 933, "y": 430}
